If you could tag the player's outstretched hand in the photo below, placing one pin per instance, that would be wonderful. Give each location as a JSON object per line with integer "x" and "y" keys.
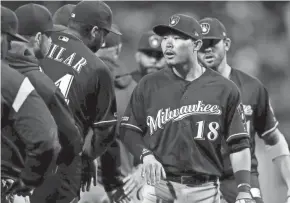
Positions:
{"x": 152, "y": 170}
{"x": 89, "y": 172}
{"x": 133, "y": 181}
{"x": 244, "y": 197}
{"x": 118, "y": 196}
{"x": 19, "y": 188}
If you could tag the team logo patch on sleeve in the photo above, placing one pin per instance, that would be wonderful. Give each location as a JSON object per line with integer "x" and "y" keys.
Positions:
{"x": 241, "y": 112}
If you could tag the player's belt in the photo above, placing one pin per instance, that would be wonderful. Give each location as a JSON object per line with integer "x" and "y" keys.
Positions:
{"x": 192, "y": 180}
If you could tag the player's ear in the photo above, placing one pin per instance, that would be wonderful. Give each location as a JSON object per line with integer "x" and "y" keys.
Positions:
{"x": 94, "y": 31}
{"x": 227, "y": 42}
{"x": 197, "y": 45}
{"x": 38, "y": 38}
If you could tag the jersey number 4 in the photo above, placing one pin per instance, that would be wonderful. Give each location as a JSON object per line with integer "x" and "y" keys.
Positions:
{"x": 64, "y": 84}
{"x": 212, "y": 129}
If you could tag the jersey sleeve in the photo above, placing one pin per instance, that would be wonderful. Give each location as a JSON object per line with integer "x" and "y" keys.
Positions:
{"x": 133, "y": 124}
{"x": 69, "y": 135}
{"x": 235, "y": 118}
{"x": 265, "y": 120}
{"x": 106, "y": 106}
{"x": 32, "y": 123}
{"x": 104, "y": 124}
{"x": 135, "y": 117}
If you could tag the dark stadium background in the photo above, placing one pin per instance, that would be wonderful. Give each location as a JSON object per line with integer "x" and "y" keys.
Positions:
{"x": 260, "y": 33}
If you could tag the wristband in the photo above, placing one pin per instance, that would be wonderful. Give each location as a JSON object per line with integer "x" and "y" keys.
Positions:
{"x": 145, "y": 152}
{"x": 243, "y": 180}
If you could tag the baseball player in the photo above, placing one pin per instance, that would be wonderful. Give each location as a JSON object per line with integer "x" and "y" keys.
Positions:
{"x": 9, "y": 26}
{"x": 24, "y": 58}
{"x": 24, "y": 112}
{"x": 257, "y": 107}
{"x": 149, "y": 55}
{"x": 177, "y": 120}
{"x": 118, "y": 174}
{"x": 62, "y": 15}
{"x": 86, "y": 83}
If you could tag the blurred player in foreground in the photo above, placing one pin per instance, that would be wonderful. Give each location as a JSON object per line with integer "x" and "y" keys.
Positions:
{"x": 178, "y": 118}
{"x": 257, "y": 107}
{"x": 24, "y": 58}
{"x": 86, "y": 83}
{"x": 149, "y": 55}
{"x": 23, "y": 112}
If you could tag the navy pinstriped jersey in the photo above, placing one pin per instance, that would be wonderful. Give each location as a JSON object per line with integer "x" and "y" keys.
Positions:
{"x": 84, "y": 80}
{"x": 260, "y": 118}
{"x": 184, "y": 123}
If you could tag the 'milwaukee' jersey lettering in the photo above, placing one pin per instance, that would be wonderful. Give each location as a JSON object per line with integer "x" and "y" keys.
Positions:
{"x": 83, "y": 79}
{"x": 185, "y": 123}
{"x": 260, "y": 118}
{"x": 164, "y": 116}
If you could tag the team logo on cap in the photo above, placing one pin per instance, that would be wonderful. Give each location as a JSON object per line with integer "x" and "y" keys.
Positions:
{"x": 205, "y": 27}
{"x": 154, "y": 41}
{"x": 174, "y": 20}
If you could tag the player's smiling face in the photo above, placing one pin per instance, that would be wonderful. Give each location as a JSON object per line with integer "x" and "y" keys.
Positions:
{"x": 177, "y": 49}
{"x": 212, "y": 52}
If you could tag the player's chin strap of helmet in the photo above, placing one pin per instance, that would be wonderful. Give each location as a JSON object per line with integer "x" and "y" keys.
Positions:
{"x": 279, "y": 149}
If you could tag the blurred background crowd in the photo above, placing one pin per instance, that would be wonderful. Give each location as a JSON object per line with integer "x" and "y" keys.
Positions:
{"x": 260, "y": 34}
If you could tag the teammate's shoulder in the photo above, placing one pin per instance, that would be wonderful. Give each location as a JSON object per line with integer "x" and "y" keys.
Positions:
{"x": 247, "y": 79}
{"x": 41, "y": 81}
{"x": 220, "y": 81}
{"x": 9, "y": 74}
{"x": 100, "y": 65}
{"x": 218, "y": 78}
{"x": 156, "y": 76}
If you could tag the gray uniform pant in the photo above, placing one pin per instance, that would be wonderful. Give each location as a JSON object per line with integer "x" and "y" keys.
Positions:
{"x": 172, "y": 192}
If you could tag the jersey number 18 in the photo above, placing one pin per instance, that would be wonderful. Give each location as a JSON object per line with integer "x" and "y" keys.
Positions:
{"x": 64, "y": 84}
{"x": 212, "y": 129}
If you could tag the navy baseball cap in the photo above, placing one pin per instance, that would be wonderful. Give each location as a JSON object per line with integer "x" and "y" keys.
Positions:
{"x": 62, "y": 15}
{"x": 212, "y": 28}
{"x": 180, "y": 24}
{"x": 34, "y": 18}
{"x": 96, "y": 13}
{"x": 150, "y": 42}
{"x": 112, "y": 39}
{"x": 9, "y": 24}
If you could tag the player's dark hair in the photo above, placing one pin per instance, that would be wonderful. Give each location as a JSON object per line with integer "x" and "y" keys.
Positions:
{"x": 83, "y": 29}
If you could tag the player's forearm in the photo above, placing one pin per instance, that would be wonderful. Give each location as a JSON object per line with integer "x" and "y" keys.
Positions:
{"x": 283, "y": 163}
{"x": 241, "y": 160}
{"x": 279, "y": 152}
{"x": 97, "y": 141}
{"x": 134, "y": 142}
{"x": 241, "y": 163}
{"x": 110, "y": 171}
